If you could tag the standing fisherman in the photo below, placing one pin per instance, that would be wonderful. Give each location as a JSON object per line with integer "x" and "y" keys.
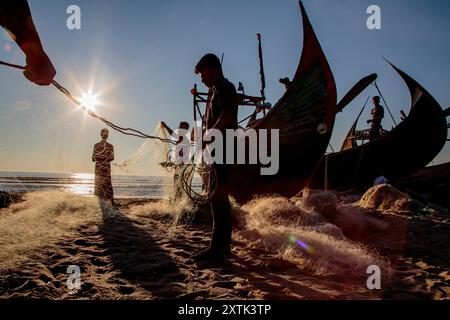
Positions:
{"x": 102, "y": 156}
{"x": 377, "y": 116}
{"x": 221, "y": 114}
{"x": 182, "y": 128}
{"x": 15, "y": 17}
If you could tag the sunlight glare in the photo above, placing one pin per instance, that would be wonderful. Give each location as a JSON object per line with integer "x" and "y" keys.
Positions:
{"x": 89, "y": 101}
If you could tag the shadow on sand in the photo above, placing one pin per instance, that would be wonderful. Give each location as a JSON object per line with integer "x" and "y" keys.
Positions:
{"x": 137, "y": 256}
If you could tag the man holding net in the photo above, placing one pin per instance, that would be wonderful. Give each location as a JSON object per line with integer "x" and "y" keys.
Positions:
{"x": 221, "y": 114}
{"x": 177, "y": 183}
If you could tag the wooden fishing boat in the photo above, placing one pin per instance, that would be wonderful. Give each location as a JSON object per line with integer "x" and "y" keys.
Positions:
{"x": 407, "y": 148}
{"x": 304, "y": 116}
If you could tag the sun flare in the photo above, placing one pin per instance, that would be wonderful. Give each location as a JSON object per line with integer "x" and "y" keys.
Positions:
{"x": 89, "y": 101}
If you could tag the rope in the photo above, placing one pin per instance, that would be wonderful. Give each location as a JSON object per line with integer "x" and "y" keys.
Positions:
{"x": 209, "y": 176}
{"x": 207, "y": 172}
{"x": 246, "y": 118}
{"x": 326, "y": 173}
{"x": 331, "y": 147}
{"x": 125, "y": 131}
{"x": 357, "y": 167}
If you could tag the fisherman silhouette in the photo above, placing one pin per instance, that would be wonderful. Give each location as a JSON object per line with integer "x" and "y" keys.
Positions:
{"x": 15, "y": 17}
{"x": 182, "y": 126}
{"x": 221, "y": 114}
{"x": 377, "y": 115}
{"x": 178, "y": 190}
{"x": 102, "y": 155}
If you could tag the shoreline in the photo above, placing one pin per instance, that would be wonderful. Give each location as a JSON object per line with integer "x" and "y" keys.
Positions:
{"x": 7, "y": 197}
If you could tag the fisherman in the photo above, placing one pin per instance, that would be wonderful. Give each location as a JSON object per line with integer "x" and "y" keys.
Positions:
{"x": 182, "y": 127}
{"x": 15, "y": 17}
{"x": 102, "y": 156}
{"x": 287, "y": 83}
{"x": 377, "y": 115}
{"x": 221, "y": 114}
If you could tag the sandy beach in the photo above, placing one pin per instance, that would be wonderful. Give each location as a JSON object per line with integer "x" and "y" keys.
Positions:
{"x": 138, "y": 251}
{"x": 243, "y": 110}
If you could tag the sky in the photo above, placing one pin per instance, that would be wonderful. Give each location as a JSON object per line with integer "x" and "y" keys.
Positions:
{"x": 140, "y": 56}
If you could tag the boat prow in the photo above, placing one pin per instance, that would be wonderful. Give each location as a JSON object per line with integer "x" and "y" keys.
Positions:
{"x": 304, "y": 116}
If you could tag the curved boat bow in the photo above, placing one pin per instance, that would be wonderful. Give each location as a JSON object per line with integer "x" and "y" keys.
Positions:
{"x": 407, "y": 148}
{"x": 304, "y": 116}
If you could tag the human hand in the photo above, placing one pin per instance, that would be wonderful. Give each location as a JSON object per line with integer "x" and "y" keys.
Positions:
{"x": 39, "y": 69}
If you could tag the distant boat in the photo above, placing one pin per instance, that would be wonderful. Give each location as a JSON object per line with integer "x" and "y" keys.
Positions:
{"x": 305, "y": 117}
{"x": 404, "y": 150}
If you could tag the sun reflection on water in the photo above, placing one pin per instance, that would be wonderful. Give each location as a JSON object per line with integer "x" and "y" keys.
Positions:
{"x": 84, "y": 184}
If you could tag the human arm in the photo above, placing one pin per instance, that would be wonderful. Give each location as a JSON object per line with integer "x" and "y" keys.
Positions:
{"x": 101, "y": 152}
{"x": 110, "y": 154}
{"x": 165, "y": 126}
{"x": 16, "y": 17}
{"x": 378, "y": 115}
{"x": 381, "y": 113}
{"x": 227, "y": 104}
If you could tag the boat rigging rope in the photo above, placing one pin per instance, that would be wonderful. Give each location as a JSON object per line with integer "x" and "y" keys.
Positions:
{"x": 246, "y": 118}
{"x": 126, "y": 131}
{"x": 357, "y": 167}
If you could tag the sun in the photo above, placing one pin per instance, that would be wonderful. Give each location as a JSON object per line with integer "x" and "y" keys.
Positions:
{"x": 89, "y": 101}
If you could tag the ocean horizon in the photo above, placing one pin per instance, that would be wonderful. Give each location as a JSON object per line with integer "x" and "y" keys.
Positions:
{"x": 125, "y": 186}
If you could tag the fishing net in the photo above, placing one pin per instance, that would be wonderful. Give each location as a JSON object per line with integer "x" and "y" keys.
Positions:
{"x": 156, "y": 148}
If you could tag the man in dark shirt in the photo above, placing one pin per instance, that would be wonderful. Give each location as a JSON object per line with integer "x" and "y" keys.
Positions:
{"x": 15, "y": 17}
{"x": 102, "y": 156}
{"x": 221, "y": 114}
{"x": 377, "y": 116}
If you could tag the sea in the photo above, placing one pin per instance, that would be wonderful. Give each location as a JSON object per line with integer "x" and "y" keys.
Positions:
{"x": 150, "y": 187}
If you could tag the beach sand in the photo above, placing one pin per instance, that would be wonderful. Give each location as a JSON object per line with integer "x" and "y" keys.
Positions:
{"x": 138, "y": 252}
